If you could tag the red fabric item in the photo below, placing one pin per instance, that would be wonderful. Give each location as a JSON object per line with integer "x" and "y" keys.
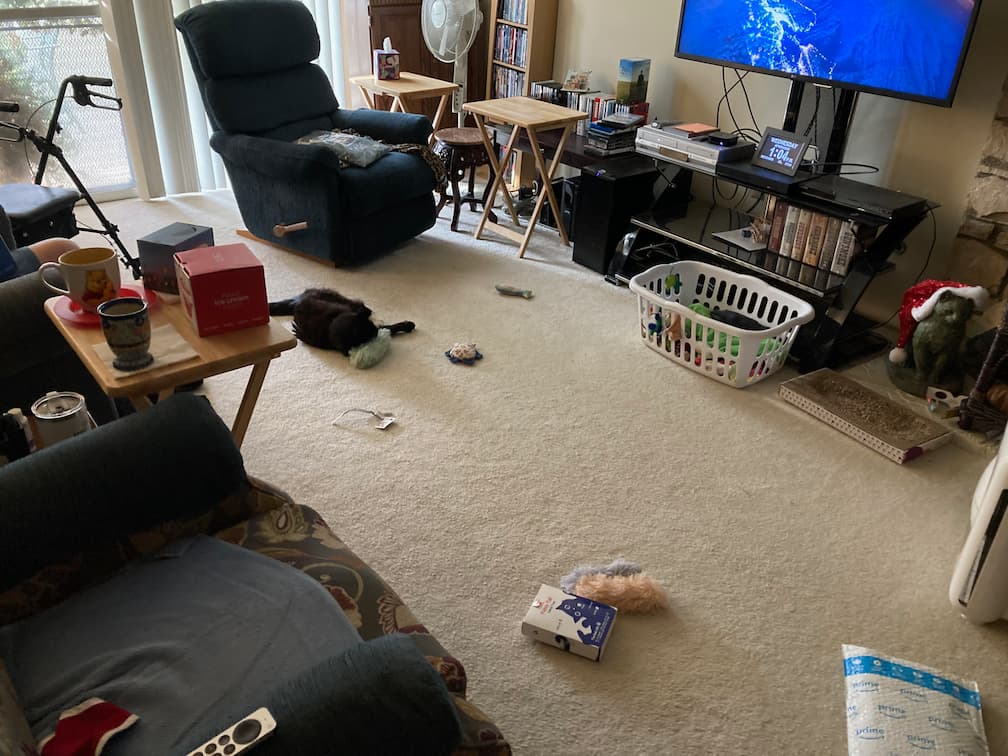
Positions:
{"x": 85, "y": 729}
{"x": 916, "y": 296}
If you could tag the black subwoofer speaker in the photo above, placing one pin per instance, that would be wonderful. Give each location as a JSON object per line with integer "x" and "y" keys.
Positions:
{"x": 608, "y": 194}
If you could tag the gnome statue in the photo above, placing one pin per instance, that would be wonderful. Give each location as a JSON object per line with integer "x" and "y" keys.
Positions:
{"x": 932, "y": 335}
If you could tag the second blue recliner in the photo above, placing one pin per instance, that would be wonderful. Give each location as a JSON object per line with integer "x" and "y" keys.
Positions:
{"x": 253, "y": 63}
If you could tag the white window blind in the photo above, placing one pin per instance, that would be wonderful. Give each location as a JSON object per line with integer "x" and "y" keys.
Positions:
{"x": 179, "y": 122}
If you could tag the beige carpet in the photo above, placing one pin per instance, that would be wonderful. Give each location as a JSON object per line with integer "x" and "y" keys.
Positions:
{"x": 777, "y": 537}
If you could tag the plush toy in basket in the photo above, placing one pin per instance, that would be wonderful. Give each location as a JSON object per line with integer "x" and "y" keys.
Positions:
{"x": 734, "y": 328}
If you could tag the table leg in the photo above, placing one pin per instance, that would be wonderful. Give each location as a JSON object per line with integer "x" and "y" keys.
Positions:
{"x": 143, "y": 401}
{"x": 398, "y": 105}
{"x": 547, "y": 189}
{"x": 367, "y": 96}
{"x": 248, "y": 401}
{"x": 496, "y": 174}
{"x": 438, "y": 114}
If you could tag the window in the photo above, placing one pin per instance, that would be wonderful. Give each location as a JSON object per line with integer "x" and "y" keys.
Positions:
{"x": 43, "y": 42}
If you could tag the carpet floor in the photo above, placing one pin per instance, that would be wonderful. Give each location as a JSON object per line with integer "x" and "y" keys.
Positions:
{"x": 777, "y": 538}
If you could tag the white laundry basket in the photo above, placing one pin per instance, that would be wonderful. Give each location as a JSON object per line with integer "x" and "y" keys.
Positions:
{"x": 726, "y": 353}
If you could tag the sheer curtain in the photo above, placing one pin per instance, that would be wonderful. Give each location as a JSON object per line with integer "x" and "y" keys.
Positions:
{"x": 154, "y": 66}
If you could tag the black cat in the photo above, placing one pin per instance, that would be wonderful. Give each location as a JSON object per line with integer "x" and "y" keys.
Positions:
{"x": 326, "y": 319}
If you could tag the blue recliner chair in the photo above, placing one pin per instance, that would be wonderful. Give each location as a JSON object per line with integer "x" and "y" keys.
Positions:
{"x": 253, "y": 62}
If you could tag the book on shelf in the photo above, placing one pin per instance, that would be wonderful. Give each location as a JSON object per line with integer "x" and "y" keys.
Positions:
{"x": 692, "y": 130}
{"x": 833, "y": 226}
{"x": 790, "y": 227}
{"x": 777, "y": 225}
{"x": 632, "y": 80}
{"x": 507, "y": 82}
{"x": 510, "y": 45}
{"x": 816, "y": 236}
{"x": 846, "y": 248}
{"x": 801, "y": 233}
{"x": 515, "y": 11}
{"x": 768, "y": 208}
{"x": 853, "y": 237}
{"x": 622, "y": 120}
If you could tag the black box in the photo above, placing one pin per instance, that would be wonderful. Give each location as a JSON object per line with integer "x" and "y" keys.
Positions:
{"x": 610, "y": 192}
{"x": 157, "y": 253}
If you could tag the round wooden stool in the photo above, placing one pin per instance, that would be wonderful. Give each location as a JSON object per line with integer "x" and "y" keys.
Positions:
{"x": 462, "y": 149}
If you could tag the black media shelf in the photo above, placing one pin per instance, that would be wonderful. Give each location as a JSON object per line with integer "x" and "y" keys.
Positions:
{"x": 702, "y": 220}
{"x": 682, "y": 227}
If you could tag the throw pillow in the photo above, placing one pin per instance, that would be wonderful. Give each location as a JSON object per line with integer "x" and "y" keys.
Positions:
{"x": 15, "y": 735}
{"x": 353, "y": 149}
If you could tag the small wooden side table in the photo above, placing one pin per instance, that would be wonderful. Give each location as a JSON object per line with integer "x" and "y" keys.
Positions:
{"x": 404, "y": 90}
{"x": 218, "y": 354}
{"x": 528, "y": 115}
{"x": 462, "y": 150}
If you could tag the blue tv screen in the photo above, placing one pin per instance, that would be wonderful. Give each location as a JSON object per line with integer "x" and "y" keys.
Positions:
{"x": 911, "y": 49}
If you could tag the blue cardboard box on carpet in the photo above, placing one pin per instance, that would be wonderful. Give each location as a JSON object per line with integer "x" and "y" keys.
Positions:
{"x": 575, "y": 624}
{"x": 157, "y": 253}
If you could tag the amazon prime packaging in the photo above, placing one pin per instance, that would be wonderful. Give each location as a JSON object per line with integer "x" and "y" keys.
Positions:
{"x": 570, "y": 622}
{"x": 899, "y": 707}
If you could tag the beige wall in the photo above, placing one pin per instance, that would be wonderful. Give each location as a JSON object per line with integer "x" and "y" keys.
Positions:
{"x": 929, "y": 151}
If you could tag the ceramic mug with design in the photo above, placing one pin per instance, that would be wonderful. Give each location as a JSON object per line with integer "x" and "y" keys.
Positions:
{"x": 126, "y": 324}
{"x": 91, "y": 275}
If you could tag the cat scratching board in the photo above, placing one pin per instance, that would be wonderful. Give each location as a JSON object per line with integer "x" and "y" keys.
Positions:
{"x": 894, "y": 431}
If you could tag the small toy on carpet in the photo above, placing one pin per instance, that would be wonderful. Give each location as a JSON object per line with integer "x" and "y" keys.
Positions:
{"x": 621, "y": 584}
{"x": 466, "y": 354}
{"x": 371, "y": 352}
{"x": 513, "y": 291}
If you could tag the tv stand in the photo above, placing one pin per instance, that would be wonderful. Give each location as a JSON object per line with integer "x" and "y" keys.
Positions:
{"x": 681, "y": 227}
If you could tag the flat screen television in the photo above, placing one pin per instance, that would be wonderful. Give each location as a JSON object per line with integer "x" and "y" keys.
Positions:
{"x": 909, "y": 49}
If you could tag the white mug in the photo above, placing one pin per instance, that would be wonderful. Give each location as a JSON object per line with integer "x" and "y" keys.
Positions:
{"x": 91, "y": 275}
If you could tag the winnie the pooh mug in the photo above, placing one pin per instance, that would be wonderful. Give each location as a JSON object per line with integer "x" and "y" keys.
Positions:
{"x": 91, "y": 275}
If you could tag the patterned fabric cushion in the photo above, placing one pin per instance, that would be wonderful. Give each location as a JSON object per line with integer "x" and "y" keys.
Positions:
{"x": 265, "y": 519}
{"x": 298, "y": 536}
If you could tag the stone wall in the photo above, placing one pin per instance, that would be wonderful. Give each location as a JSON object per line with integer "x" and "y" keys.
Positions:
{"x": 980, "y": 251}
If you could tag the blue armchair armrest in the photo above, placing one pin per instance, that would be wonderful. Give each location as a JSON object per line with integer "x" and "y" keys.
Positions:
{"x": 175, "y": 460}
{"x": 288, "y": 161}
{"x": 392, "y": 128}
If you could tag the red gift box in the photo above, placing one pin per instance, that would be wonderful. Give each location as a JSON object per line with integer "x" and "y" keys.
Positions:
{"x": 222, "y": 288}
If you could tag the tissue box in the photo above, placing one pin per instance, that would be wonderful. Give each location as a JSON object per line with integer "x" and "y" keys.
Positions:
{"x": 386, "y": 64}
{"x": 575, "y": 624}
{"x": 222, "y": 288}
{"x": 157, "y": 253}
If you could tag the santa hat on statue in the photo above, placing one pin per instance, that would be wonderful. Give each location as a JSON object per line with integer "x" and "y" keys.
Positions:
{"x": 919, "y": 302}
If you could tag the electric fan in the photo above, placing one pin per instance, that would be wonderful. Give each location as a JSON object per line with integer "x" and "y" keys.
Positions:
{"x": 449, "y": 30}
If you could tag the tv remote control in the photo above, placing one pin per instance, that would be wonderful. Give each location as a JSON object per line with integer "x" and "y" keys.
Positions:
{"x": 239, "y": 737}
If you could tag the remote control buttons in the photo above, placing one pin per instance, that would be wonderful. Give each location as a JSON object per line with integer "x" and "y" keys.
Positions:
{"x": 229, "y": 748}
{"x": 247, "y": 731}
{"x": 211, "y": 748}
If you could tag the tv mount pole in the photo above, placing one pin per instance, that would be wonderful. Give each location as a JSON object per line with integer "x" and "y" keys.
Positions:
{"x": 840, "y": 128}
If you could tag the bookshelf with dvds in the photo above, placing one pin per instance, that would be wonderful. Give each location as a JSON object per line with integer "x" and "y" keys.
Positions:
{"x": 521, "y": 42}
{"x": 848, "y": 249}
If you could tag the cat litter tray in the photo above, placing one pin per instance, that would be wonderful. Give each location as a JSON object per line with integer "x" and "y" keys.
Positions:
{"x": 726, "y": 353}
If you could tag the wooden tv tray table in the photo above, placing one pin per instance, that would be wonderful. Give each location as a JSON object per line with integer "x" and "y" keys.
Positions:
{"x": 528, "y": 115}
{"x": 216, "y": 354}
{"x": 408, "y": 86}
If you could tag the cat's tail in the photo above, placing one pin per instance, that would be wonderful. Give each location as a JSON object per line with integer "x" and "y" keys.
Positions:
{"x": 403, "y": 326}
{"x": 283, "y": 307}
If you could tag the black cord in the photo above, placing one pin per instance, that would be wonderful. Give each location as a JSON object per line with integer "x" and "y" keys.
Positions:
{"x": 870, "y": 168}
{"x": 724, "y": 97}
{"x": 746, "y": 93}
